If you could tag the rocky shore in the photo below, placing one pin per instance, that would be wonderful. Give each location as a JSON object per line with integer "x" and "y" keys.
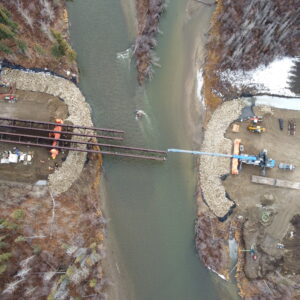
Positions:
{"x": 211, "y": 169}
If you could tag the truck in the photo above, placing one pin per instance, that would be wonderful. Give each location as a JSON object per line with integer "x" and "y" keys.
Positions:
{"x": 288, "y": 167}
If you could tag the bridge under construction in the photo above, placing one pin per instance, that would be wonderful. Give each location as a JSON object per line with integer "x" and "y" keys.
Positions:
{"x": 40, "y": 134}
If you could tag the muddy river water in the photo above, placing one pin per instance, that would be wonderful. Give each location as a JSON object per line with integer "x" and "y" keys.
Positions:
{"x": 151, "y": 205}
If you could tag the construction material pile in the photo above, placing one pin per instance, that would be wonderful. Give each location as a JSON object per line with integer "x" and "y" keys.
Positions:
{"x": 212, "y": 168}
{"x": 16, "y": 156}
{"x": 79, "y": 114}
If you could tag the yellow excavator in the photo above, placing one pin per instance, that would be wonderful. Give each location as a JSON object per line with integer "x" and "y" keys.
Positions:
{"x": 256, "y": 128}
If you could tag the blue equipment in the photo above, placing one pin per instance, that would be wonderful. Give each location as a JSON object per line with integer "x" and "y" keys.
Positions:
{"x": 260, "y": 160}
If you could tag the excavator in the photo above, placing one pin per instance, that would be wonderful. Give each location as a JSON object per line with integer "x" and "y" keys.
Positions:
{"x": 256, "y": 128}
{"x": 54, "y": 152}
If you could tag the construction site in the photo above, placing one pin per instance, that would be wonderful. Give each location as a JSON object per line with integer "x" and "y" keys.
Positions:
{"x": 249, "y": 167}
{"x": 50, "y": 161}
{"x": 269, "y": 201}
{"x": 36, "y": 136}
{"x": 249, "y": 173}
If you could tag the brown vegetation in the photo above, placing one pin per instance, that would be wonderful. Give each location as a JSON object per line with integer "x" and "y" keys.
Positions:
{"x": 245, "y": 34}
{"x": 41, "y": 39}
{"x": 52, "y": 247}
{"x": 149, "y": 13}
{"x": 212, "y": 241}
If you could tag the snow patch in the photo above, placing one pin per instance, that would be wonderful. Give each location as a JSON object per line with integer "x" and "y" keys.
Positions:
{"x": 199, "y": 87}
{"x": 283, "y": 103}
{"x": 273, "y": 78}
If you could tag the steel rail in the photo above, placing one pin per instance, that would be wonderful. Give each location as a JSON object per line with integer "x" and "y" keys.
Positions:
{"x": 86, "y": 150}
{"x": 64, "y": 132}
{"x": 81, "y": 142}
{"x": 63, "y": 125}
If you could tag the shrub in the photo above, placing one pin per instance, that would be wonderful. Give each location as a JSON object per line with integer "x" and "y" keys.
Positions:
{"x": 20, "y": 238}
{"x": 3, "y": 245}
{"x": 2, "y": 268}
{"x": 62, "y": 47}
{"x": 5, "y": 49}
{"x": 22, "y": 45}
{"x": 6, "y": 32}
{"x": 5, "y": 256}
{"x": 8, "y": 225}
{"x": 71, "y": 54}
{"x": 40, "y": 50}
{"x": 19, "y": 213}
{"x": 36, "y": 249}
{"x": 93, "y": 282}
{"x": 5, "y": 18}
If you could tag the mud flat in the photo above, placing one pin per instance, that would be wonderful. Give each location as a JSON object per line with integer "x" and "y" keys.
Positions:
{"x": 79, "y": 114}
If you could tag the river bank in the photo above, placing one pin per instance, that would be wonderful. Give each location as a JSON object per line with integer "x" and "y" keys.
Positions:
{"x": 52, "y": 234}
{"x": 213, "y": 236}
{"x": 57, "y": 238}
{"x": 38, "y": 36}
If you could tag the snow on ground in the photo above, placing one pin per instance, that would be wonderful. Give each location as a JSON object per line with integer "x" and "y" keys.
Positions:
{"x": 284, "y": 103}
{"x": 273, "y": 78}
{"x": 199, "y": 86}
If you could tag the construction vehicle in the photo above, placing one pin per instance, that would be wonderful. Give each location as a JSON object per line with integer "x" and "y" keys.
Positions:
{"x": 235, "y": 161}
{"x": 288, "y": 167}
{"x": 54, "y": 152}
{"x": 292, "y": 127}
{"x": 280, "y": 124}
{"x": 261, "y": 160}
{"x": 256, "y": 119}
{"x": 256, "y": 128}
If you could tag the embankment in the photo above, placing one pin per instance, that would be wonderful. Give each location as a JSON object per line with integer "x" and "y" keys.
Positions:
{"x": 211, "y": 168}
{"x": 79, "y": 114}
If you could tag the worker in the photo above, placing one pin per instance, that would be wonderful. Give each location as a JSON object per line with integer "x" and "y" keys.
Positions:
{"x": 59, "y": 121}
{"x": 54, "y": 152}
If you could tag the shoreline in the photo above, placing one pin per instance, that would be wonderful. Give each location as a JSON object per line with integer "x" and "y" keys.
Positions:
{"x": 197, "y": 113}
{"x": 212, "y": 236}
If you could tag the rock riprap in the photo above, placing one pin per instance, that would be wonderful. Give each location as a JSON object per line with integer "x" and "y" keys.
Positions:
{"x": 79, "y": 114}
{"x": 212, "y": 168}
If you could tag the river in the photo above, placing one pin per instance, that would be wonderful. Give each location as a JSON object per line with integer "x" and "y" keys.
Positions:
{"x": 150, "y": 205}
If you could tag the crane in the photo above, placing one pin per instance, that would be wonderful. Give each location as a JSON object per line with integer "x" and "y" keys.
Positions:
{"x": 260, "y": 160}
